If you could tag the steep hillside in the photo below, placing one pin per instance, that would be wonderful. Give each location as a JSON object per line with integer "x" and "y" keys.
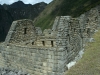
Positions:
{"x": 16, "y": 11}
{"x": 61, "y": 8}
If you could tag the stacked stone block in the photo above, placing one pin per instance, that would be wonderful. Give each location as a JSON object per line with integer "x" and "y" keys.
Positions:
{"x": 21, "y": 32}
{"x": 47, "y": 53}
{"x": 37, "y": 61}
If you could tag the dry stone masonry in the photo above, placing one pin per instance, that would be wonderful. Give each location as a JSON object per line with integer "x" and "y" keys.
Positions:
{"x": 29, "y": 49}
{"x": 7, "y": 71}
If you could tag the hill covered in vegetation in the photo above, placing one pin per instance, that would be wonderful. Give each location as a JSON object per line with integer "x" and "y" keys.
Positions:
{"x": 73, "y": 8}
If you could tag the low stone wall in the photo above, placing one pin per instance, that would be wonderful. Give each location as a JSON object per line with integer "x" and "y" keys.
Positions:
{"x": 37, "y": 61}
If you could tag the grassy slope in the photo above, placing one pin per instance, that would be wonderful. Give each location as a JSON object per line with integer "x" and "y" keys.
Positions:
{"x": 90, "y": 63}
{"x": 62, "y": 8}
{"x": 46, "y": 19}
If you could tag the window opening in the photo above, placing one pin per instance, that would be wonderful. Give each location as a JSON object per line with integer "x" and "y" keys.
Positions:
{"x": 52, "y": 43}
{"x": 25, "y": 30}
{"x": 32, "y": 43}
{"x": 43, "y": 43}
{"x": 74, "y": 29}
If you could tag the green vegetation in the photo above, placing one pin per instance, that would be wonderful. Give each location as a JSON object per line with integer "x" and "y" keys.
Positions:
{"x": 76, "y": 7}
{"x": 73, "y": 8}
{"x": 46, "y": 18}
{"x": 90, "y": 62}
{"x": 46, "y": 22}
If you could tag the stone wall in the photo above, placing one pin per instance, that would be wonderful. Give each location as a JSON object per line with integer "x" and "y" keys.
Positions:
{"x": 2, "y": 61}
{"x": 37, "y": 60}
{"x": 48, "y": 52}
{"x": 21, "y": 32}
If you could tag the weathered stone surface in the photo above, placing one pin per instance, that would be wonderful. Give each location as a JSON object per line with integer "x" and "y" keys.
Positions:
{"x": 8, "y": 71}
{"x": 29, "y": 49}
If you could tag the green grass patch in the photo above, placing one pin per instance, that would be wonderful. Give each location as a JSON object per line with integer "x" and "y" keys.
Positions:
{"x": 45, "y": 22}
{"x": 90, "y": 62}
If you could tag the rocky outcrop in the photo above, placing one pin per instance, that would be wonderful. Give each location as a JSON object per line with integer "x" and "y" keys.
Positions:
{"x": 16, "y": 11}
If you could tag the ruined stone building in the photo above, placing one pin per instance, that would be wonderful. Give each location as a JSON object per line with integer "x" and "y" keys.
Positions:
{"x": 47, "y": 53}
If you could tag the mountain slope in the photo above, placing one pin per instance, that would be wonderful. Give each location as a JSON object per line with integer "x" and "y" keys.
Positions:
{"x": 61, "y": 8}
{"x": 16, "y": 11}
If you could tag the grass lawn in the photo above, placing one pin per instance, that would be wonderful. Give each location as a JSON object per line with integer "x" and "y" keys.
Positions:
{"x": 90, "y": 62}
